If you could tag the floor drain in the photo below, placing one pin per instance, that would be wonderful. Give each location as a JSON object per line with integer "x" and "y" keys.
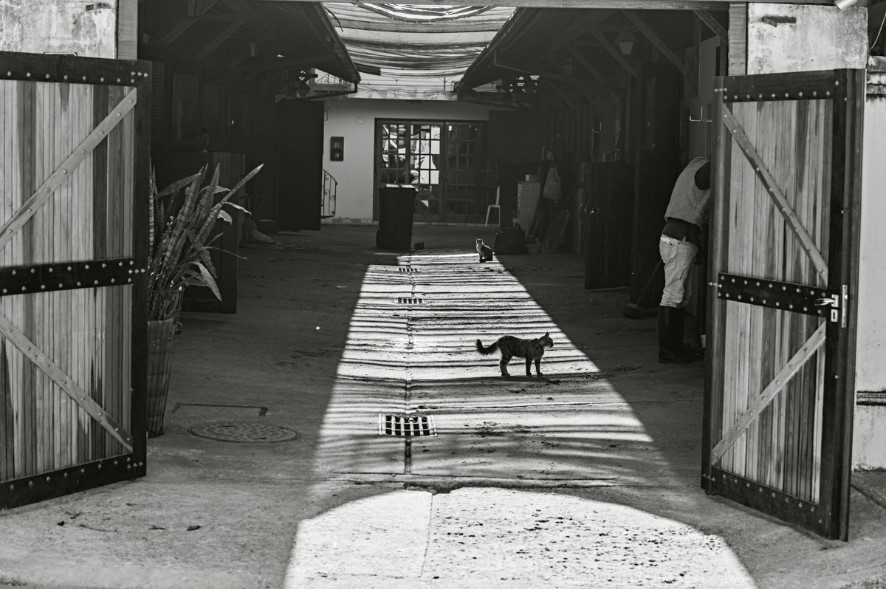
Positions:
{"x": 406, "y": 425}
{"x": 243, "y": 431}
{"x": 409, "y": 301}
{"x": 409, "y": 269}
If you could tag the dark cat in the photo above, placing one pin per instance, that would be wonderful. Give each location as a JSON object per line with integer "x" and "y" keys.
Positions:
{"x": 484, "y": 250}
{"x": 510, "y": 346}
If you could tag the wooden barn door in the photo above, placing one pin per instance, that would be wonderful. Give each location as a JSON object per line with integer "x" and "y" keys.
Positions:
{"x": 779, "y": 391}
{"x": 74, "y": 137}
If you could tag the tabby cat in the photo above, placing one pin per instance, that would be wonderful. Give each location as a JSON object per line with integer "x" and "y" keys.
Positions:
{"x": 484, "y": 250}
{"x": 510, "y": 346}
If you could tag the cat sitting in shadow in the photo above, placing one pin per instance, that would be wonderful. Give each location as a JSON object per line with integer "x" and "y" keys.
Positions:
{"x": 484, "y": 250}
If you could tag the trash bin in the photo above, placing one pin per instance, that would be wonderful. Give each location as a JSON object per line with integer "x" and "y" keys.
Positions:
{"x": 396, "y": 205}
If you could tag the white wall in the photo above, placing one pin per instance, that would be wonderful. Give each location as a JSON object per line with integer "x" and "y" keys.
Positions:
{"x": 354, "y": 119}
{"x": 87, "y": 28}
{"x": 869, "y": 443}
{"x": 797, "y": 38}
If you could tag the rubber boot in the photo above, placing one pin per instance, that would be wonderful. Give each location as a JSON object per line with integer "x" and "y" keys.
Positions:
{"x": 677, "y": 343}
{"x": 667, "y": 353}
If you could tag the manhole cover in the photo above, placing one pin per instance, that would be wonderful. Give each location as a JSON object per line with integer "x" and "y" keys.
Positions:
{"x": 232, "y": 431}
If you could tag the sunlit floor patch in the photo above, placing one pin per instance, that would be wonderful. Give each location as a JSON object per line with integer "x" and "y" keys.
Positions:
{"x": 500, "y": 537}
{"x": 396, "y": 346}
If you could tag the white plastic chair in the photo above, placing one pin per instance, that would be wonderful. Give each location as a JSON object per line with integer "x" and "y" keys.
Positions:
{"x": 495, "y": 206}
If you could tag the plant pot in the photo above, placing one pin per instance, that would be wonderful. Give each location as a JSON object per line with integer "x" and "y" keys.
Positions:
{"x": 161, "y": 337}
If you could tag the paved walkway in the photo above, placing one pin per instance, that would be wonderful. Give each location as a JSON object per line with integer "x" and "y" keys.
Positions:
{"x": 588, "y": 477}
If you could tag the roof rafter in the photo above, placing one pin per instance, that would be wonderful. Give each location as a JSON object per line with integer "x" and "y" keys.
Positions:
{"x": 216, "y": 42}
{"x": 615, "y": 53}
{"x": 712, "y": 23}
{"x": 663, "y": 47}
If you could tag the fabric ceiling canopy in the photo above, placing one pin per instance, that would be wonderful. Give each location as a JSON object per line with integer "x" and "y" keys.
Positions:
{"x": 413, "y": 52}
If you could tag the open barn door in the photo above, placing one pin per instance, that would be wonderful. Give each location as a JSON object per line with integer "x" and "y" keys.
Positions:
{"x": 74, "y": 139}
{"x": 784, "y": 242}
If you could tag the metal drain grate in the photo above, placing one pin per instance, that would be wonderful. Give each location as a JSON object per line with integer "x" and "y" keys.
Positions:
{"x": 406, "y": 425}
{"x": 408, "y": 269}
{"x": 409, "y": 301}
{"x": 243, "y": 431}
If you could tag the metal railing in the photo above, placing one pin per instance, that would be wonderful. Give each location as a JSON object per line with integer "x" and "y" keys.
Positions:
{"x": 327, "y": 199}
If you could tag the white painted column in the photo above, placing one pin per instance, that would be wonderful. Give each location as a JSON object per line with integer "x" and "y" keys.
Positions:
{"x": 869, "y": 435}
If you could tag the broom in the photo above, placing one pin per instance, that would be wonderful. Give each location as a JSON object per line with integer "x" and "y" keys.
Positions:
{"x": 634, "y": 310}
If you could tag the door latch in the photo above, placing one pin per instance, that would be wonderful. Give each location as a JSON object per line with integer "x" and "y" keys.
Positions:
{"x": 839, "y": 304}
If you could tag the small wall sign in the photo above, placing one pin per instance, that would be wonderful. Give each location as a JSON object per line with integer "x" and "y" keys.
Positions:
{"x": 336, "y": 149}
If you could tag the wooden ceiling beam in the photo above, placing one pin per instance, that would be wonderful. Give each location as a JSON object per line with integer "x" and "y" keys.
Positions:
{"x": 595, "y": 73}
{"x": 177, "y": 31}
{"x": 559, "y": 95}
{"x": 220, "y": 38}
{"x": 659, "y": 44}
{"x": 616, "y": 54}
{"x": 244, "y": 9}
{"x": 587, "y": 65}
{"x": 708, "y": 19}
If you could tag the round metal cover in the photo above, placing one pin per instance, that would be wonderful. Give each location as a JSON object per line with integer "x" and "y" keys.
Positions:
{"x": 243, "y": 431}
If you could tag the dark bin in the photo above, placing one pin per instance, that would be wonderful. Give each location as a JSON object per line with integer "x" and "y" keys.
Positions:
{"x": 396, "y": 205}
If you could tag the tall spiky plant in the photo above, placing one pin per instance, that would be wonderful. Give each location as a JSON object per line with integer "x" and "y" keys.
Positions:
{"x": 182, "y": 218}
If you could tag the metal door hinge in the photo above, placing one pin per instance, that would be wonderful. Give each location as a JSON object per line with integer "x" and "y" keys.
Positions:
{"x": 839, "y": 304}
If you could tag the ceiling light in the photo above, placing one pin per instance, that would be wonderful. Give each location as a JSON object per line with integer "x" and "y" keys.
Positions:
{"x": 844, "y": 5}
{"x": 568, "y": 65}
{"x": 626, "y": 42}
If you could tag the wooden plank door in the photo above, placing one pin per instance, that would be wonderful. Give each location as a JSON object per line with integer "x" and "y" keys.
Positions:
{"x": 299, "y": 140}
{"x": 74, "y": 140}
{"x": 784, "y": 225}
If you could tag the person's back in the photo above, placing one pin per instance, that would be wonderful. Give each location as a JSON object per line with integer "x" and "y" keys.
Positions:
{"x": 685, "y": 217}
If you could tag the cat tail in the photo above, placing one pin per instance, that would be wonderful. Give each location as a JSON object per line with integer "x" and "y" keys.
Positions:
{"x": 484, "y": 350}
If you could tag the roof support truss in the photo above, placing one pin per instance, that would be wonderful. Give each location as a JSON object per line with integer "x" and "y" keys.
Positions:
{"x": 232, "y": 28}
{"x": 615, "y": 53}
{"x": 659, "y": 44}
{"x": 708, "y": 19}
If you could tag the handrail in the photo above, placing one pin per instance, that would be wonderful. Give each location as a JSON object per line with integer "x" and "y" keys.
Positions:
{"x": 327, "y": 199}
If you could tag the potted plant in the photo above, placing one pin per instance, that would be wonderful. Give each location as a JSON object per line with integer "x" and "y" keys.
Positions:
{"x": 183, "y": 219}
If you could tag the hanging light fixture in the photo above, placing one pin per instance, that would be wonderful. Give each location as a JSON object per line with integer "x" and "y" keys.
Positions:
{"x": 625, "y": 42}
{"x": 567, "y": 64}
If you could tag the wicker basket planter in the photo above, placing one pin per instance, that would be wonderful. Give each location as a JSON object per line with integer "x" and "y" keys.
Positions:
{"x": 161, "y": 338}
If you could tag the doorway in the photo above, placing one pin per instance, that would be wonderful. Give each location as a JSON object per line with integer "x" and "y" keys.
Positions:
{"x": 447, "y": 163}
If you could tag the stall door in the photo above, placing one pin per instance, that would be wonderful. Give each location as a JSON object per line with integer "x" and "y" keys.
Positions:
{"x": 779, "y": 390}
{"x": 74, "y": 177}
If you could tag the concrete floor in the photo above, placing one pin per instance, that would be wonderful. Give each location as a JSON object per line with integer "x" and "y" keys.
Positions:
{"x": 587, "y": 478}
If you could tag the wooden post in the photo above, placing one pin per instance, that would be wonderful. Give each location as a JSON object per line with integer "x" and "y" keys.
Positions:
{"x": 127, "y": 29}
{"x": 738, "y": 39}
